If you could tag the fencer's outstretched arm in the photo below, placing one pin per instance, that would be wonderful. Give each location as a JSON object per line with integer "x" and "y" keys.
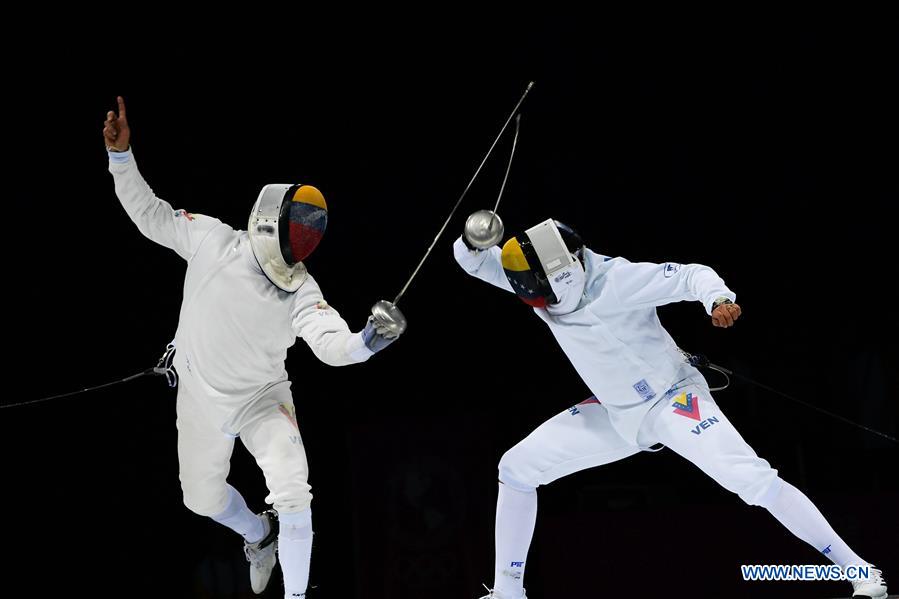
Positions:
{"x": 645, "y": 284}
{"x": 324, "y": 330}
{"x": 485, "y": 264}
{"x": 155, "y": 218}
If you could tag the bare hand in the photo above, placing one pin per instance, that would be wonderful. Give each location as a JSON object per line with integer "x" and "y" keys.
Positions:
{"x": 116, "y": 132}
{"x": 726, "y": 315}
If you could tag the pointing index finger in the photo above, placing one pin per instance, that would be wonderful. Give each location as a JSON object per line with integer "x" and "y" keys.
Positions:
{"x": 121, "y": 102}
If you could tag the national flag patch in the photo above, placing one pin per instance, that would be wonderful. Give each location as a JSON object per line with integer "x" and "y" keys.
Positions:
{"x": 687, "y": 404}
{"x": 290, "y": 412}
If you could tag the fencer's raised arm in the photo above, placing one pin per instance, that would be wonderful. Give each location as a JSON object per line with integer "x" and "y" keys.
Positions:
{"x": 645, "y": 284}
{"x": 324, "y": 330}
{"x": 178, "y": 230}
{"x": 484, "y": 264}
{"x": 155, "y": 218}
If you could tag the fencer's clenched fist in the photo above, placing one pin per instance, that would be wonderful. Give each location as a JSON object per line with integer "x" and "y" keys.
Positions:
{"x": 116, "y": 132}
{"x": 483, "y": 229}
{"x": 725, "y": 314}
{"x": 384, "y": 326}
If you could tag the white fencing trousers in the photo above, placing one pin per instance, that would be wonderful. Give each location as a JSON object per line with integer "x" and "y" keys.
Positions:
{"x": 267, "y": 426}
{"x": 686, "y": 420}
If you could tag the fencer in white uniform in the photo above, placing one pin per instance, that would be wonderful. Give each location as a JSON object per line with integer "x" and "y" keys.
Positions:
{"x": 602, "y": 313}
{"x": 246, "y": 300}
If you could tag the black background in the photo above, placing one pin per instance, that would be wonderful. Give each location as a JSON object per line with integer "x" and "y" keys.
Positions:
{"x": 766, "y": 152}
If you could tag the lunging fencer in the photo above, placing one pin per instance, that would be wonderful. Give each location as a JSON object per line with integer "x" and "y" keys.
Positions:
{"x": 247, "y": 297}
{"x": 602, "y": 313}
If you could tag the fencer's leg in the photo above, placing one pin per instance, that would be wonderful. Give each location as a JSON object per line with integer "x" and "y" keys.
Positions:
{"x": 239, "y": 518}
{"x": 295, "y": 550}
{"x": 578, "y": 438}
{"x": 800, "y": 516}
{"x": 204, "y": 460}
{"x": 692, "y": 425}
{"x": 516, "y": 516}
{"x": 204, "y": 453}
{"x": 272, "y": 436}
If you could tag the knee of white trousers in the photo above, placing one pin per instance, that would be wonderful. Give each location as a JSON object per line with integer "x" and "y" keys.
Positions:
{"x": 286, "y": 476}
{"x": 515, "y": 472}
{"x": 759, "y": 486}
{"x": 768, "y": 496}
{"x": 205, "y": 499}
{"x": 294, "y": 496}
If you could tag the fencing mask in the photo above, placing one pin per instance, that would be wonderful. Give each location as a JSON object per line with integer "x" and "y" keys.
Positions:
{"x": 286, "y": 224}
{"x": 543, "y": 264}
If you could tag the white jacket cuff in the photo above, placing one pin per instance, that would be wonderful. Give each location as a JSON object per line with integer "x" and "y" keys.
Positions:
{"x": 119, "y": 157}
{"x": 711, "y": 301}
{"x": 356, "y": 348}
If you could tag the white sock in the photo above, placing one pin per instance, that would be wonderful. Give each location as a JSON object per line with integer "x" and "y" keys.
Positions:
{"x": 516, "y": 515}
{"x": 295, "y": 551}
{"x": 796, "y": 511}
{"x": 238, "y": 517}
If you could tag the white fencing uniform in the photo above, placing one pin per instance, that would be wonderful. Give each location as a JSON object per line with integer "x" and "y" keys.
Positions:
{"x": 617, "y": 344}
{"x": 233, "y": 334}
{"x": 644, "y": 394}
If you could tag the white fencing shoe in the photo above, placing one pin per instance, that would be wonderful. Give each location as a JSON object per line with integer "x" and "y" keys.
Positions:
{"x": 495, "y": 595}
{"x": 874, "y": 586}
{"x": 262, "y": 554}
